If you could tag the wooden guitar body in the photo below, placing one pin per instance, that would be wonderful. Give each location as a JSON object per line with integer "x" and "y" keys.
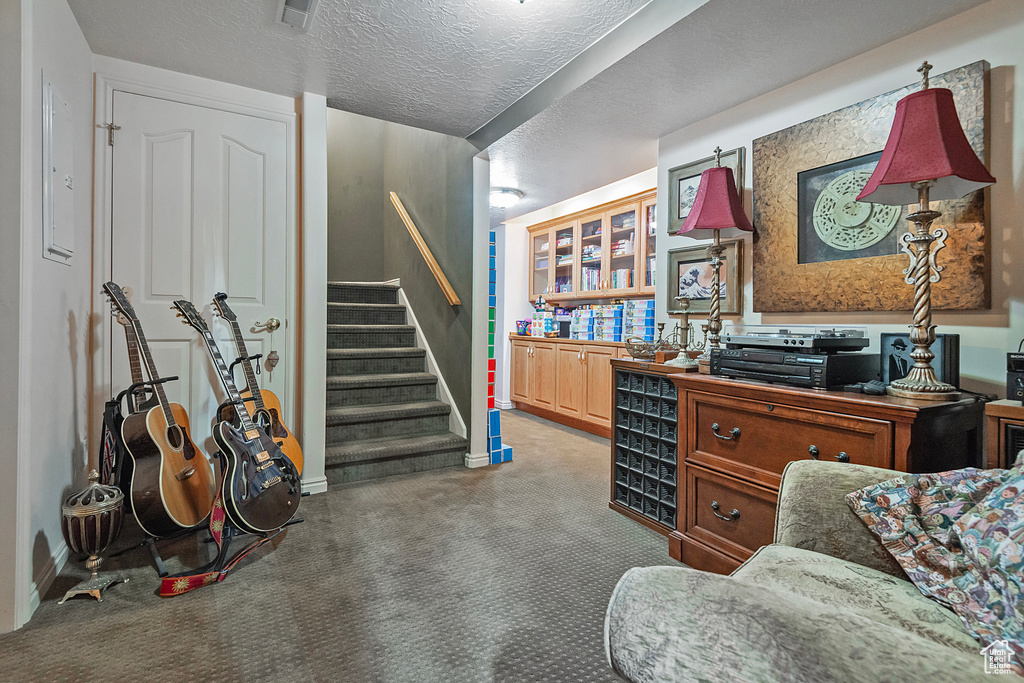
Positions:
{"x": 270, "y": 420}
{"x": 172, "y": 482}
{"x": 261, "y": 488}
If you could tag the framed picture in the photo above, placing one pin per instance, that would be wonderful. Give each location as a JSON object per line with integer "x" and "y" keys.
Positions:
{"x": 684, "y": 180}
{"x": 896, "y": 360}
{"x": 832, "y": 225}
{"x": 817, "y": 249}
{"x": 690, "y": 275}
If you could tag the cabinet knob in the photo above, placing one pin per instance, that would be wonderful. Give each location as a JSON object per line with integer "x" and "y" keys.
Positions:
{"x": 813, "y": 450}
{"x": 843, "y": 457}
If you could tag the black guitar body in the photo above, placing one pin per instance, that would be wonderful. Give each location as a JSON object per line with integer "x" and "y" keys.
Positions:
{"x": 260, "y": 494}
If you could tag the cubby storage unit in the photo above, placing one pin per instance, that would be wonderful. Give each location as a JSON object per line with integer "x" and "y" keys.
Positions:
{"x": 645, "y": 471}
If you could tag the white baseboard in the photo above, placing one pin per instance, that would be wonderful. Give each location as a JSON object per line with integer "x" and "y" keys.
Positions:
{"x": 314, "y": 486}
{"x": 504, "y": 405}
{"x": 479, "y": 460}
{"x": 46, "y": 576}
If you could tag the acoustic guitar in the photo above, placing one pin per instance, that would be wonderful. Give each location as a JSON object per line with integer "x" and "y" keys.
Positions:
{"x": 172, "y": 484}
{"x": 263, "y": 404}
{"x": 260, "y": 488}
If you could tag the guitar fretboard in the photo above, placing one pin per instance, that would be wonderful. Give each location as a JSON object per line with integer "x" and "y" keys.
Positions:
{"x": 229, "y": 384}
{"x": 250, "y": 376}
{"x": 158, "y": 389}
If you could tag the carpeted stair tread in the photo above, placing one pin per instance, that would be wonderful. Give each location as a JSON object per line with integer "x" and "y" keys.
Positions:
{"x": 361, "y": 306}
{"x": 393, "y": 447}
{"x": 381, "y": 380}
{"x": 339, "y": 292}
{"x": 381, "y": 413}
{"x": 372, "y": 285}
{"x": 395, "y": 352}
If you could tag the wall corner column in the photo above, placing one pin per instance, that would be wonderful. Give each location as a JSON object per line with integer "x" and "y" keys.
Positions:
{"x": 478, "y": 456}
{"x": 313, "y": 290}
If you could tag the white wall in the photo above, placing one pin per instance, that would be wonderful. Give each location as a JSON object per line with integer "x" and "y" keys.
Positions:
{"x": 56, "y": 316}
{"x": 993, "y": 32}
{"x": 11, "y": 527}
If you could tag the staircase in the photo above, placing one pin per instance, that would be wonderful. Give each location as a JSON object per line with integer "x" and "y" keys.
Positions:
{"x": 383, "y": 415}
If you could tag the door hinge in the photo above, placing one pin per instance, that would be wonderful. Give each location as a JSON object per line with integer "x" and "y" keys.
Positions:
{"x": 111, "y": 127}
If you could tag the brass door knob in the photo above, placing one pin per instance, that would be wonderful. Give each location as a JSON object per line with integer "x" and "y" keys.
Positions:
{"x": 272, "y": 324}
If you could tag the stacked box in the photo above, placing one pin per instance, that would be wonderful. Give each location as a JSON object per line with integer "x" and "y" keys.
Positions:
{"x": 638, "y": 319}
{"x": 542, "y": 323}
{"x": 497, "y": 451}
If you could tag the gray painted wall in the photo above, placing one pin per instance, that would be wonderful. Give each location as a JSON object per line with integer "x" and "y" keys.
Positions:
{"x": 367, "y": 241}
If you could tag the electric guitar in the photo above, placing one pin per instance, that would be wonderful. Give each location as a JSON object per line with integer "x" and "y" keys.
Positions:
{"x": 172, "y": 483}
{"x": 263, "y": 405}
{"x": 260, "y": 488}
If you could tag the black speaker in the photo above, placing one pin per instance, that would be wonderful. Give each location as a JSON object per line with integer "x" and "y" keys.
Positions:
{"x": 1015, "y": 377}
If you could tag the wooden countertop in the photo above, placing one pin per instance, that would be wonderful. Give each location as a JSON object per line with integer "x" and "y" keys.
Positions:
{"x": 563, "y": 340}
{"x": 883, "y": 406}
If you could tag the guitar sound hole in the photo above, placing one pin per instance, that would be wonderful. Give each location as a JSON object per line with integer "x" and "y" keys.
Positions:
{"x": 174, "y": 437}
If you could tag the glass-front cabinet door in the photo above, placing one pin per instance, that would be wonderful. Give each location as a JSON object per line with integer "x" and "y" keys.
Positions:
{"x": 648, "y": 233}
{"x": 620, "y": 274}
{"x": 540, "y": 264}
{"x": 564, "y": 237}
{"x": 592, "y": 235}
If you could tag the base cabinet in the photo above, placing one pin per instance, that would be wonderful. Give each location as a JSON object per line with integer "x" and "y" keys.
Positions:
{"x": 564, "y": 381}
{"x": 735, "y": 438}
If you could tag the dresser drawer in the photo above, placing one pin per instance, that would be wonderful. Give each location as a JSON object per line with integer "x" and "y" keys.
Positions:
{"x": 733, "y": 516}
{"x": 755, "y": 440}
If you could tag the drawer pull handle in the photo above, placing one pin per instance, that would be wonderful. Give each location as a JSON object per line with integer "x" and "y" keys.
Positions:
{"x": 813, "y": 450}
{"x": 734, "y": 433}
{"x": 733, "y": 516}
{"x": 843, "y": 457}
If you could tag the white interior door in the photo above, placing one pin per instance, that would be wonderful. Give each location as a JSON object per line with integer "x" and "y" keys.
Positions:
{"x": 199, "y": 202}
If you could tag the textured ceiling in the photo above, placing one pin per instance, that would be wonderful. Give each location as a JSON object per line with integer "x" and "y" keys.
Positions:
{"x": 608, "y": 128}
{"x": 444, "y": 65}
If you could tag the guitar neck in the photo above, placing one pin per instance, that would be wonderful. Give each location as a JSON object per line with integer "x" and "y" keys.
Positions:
{"x": 229, "y": 384}
{"x": 250, "y": 376}
{"x": 158, "y": 389}
{"x": 133, "y": 354}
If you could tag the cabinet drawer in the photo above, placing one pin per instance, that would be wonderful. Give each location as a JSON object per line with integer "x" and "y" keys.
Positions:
{"x": 733, "y": 516}
{"x": 755, "y": 440}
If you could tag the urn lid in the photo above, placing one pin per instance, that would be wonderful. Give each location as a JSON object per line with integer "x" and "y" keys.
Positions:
{"x": 93, "y": 499}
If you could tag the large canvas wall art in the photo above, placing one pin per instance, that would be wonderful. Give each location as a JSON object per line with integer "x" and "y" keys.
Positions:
{"x": 817, "y": 249}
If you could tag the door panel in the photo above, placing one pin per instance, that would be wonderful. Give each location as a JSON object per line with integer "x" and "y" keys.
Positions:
{"x": 543, "y": 375}
{"x": 520, "y": 372}
{"x": 570, "y": 379}
{"x": 598, "y": 381}
{"x": 199, "y": 206}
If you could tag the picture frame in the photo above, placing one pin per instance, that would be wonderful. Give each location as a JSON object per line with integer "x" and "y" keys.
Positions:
{"x": 684, "y": 180}
{"x": 896, "y": 361}
{"x": 684, "y": 264}
{"x": 782, "y": 283}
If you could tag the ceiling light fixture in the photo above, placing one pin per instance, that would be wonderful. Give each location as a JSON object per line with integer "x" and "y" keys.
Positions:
{"x": 504, "y": 197}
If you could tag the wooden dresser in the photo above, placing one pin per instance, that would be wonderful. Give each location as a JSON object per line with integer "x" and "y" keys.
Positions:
{"x": 735, "y": 438}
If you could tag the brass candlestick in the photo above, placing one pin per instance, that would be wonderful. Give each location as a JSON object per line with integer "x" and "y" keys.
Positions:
{"x": 921, "y": 382}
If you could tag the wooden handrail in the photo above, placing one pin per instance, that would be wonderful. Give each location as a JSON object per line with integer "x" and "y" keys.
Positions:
{"x": 446, "y": 287}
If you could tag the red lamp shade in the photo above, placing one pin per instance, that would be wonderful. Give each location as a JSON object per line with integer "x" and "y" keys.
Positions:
{"x": 926, "y": 143}
{"x": 717, "y": 205}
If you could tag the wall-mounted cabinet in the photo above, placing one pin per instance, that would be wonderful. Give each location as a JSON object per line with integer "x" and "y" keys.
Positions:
{"x": 603, "y": 252}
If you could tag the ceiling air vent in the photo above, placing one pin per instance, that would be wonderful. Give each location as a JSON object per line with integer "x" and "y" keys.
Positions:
{"x": 296, "y": 13}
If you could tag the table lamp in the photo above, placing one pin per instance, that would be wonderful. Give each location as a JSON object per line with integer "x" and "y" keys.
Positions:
{"x": 716, "y": 207}
{"x": 927, "y": 156}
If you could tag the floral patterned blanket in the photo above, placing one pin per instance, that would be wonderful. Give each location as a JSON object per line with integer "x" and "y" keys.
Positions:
{"x": 959, "y": 536}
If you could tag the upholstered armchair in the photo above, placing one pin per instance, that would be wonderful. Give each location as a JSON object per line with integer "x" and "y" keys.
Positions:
{"x": 824, "y": 602}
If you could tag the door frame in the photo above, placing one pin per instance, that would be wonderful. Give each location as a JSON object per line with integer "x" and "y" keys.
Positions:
{"x": 114, "y": 74}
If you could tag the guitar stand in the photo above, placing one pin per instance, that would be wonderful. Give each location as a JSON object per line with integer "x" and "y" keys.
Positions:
{"x": 151, "y": 541}
{"x": 133, "y": 389}
{"x": 241, "y": 359}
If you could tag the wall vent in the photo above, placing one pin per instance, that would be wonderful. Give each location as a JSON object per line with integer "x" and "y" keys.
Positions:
{"x": 296, "y": 13}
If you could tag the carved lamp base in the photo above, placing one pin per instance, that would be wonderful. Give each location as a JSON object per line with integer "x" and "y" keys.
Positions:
{"x": 95, "y": 584}
{"x": 921, "y": 384}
